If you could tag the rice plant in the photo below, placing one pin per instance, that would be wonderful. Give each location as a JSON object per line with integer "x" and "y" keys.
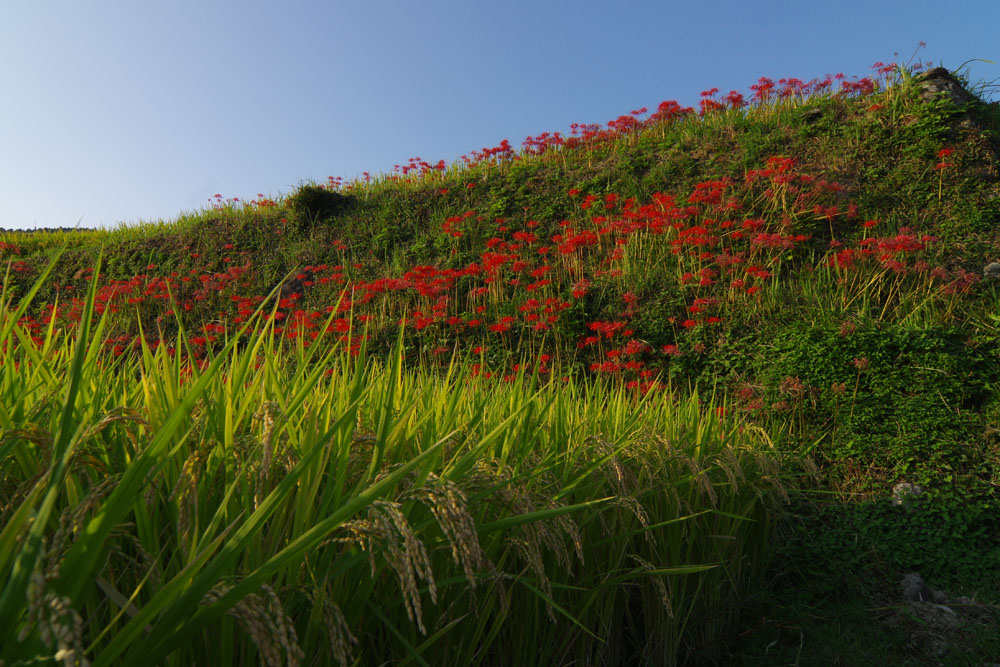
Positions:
{"x": 163, "y": 508}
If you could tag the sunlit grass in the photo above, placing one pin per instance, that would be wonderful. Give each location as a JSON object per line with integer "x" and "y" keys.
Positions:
{"x": 161, "y": 508}
{"x": 523, "y": 409}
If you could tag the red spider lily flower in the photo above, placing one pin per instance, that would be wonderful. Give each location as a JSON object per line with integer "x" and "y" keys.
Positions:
{"x": 843, "y": 259}
{"x": 502, "y": 325}
{"x": 540, "y": 271}
{"x": 943, "y": 153}
{"x": 634, "y": 347}
{"x": 706, "y": 106}
{"x": 735, "y": 99}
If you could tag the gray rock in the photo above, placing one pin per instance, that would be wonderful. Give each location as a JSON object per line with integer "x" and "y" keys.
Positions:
{"x": 939, "y": 81}
{"x": 811, "y": 115}
{"x": 914, "y": 588}
{"x": 944, "y": 616}
{"x": 904, "y": 493}
{"x": 992, "y": 270}
{"x": 937, "y": 624}
{"x": 295, "y": 287}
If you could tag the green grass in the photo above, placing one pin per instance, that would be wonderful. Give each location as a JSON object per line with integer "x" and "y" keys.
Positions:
{"x": 430, "y": 519}
{"x": 860, "y": 351}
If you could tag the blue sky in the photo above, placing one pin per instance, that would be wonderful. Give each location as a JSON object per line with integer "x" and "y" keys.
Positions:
{"x": 123, "y": 111}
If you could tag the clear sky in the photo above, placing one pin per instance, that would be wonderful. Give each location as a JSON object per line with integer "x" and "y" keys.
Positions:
{"x": 139, "y": 110}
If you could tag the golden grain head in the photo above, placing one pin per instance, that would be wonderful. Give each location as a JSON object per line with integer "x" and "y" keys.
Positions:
{"x": 532, "y": 557}
{"x": 569, "y": 527}
{"x": 285, "y": 629}
{"x": 120, "y": 414}
{"x": 637, "y": 510}
{"x": 448, "y": 504}
{"x": 267, "y": 624}
{"x": 71, "y": 523}
{"x": 658, "y": 584}
{"x": 338, "y": 633}
{"x": 185, "y": 492}
{"x": 623, "y": 479}
{"x": 60, "y": 627}
{"x": 405, "y": 554}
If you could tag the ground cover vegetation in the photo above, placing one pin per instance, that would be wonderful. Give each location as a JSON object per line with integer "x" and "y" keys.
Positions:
{"x": 639, "y": 394}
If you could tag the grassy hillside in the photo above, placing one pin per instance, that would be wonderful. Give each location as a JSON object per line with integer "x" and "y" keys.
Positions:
{"x": 812, "y": 255}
